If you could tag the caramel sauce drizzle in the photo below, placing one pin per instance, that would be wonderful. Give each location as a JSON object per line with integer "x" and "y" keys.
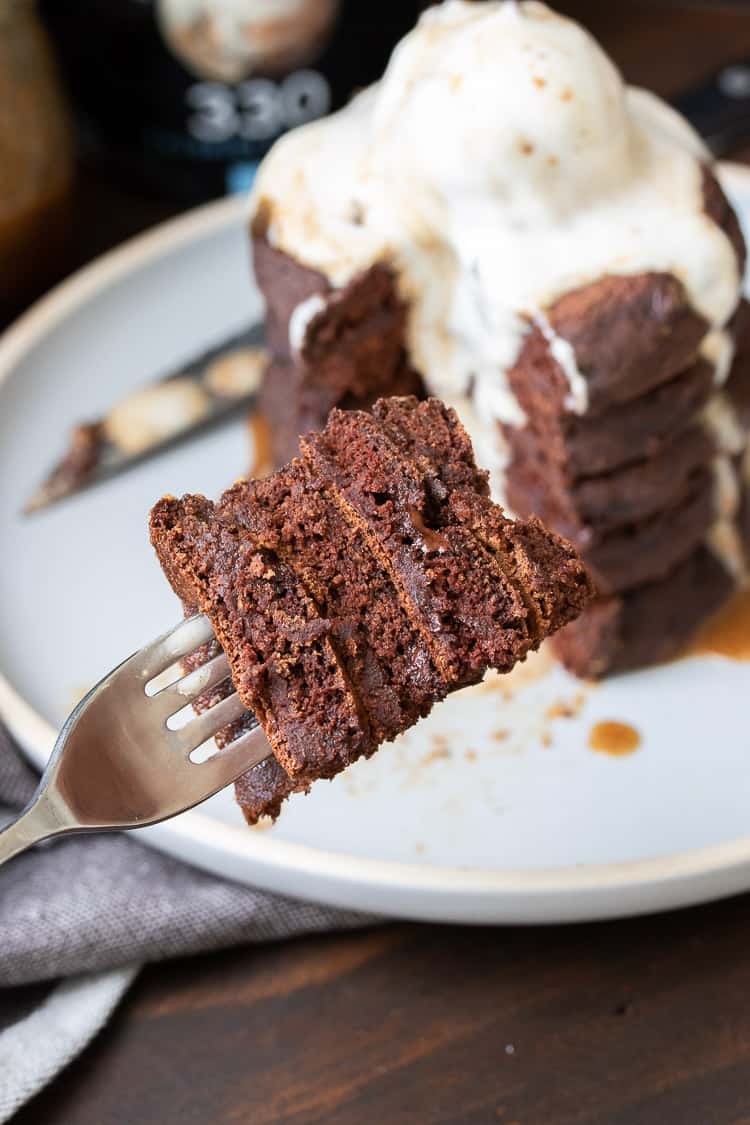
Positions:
{"x": 261, "y": 434}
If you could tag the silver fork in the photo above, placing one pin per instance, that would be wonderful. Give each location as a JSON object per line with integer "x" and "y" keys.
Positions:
{"x": 116, "y": 763}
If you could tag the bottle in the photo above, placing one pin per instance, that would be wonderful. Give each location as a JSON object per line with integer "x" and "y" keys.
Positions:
{"x": 186, "y": 96}
{"x": 36, "y": 157}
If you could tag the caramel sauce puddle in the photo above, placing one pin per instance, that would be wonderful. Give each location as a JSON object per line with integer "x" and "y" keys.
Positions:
{"x": 727, "y": 633}
{"x": 614, "y": 738}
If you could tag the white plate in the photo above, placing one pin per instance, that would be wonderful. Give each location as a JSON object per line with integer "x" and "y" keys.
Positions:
{"x": 487, "y": 812}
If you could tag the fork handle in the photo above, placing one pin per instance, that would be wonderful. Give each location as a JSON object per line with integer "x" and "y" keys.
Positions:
{"x": 37, "y": 822}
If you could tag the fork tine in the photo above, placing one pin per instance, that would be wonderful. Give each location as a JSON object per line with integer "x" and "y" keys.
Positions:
{"x": 175, "y": 696}
{"x": 247, "y": 751}
{"x": 199, "y": 730}
{"x": 115, "y": 734}
{"x": 174, "y": 645}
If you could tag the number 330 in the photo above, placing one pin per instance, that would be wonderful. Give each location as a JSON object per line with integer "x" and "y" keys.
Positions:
{"x": 256, "y": 109}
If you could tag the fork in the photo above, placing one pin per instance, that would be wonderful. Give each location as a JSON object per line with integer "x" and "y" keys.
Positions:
{"x": 116, "y": 762}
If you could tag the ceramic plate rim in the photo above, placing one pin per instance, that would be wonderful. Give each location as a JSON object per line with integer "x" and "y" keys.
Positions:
{"x": 257, "y": 849}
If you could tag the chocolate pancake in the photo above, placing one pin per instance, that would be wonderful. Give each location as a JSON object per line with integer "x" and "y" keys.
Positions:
{"x": 354, "y": 588}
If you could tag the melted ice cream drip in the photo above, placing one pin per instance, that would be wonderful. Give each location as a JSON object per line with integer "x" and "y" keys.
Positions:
{"x": 719, "y": 417}
{"x": 718, "y": 348}
{"x": 724, "y": 537}
{"x": 577, "y": 399}
{"x": 302, "y": 315}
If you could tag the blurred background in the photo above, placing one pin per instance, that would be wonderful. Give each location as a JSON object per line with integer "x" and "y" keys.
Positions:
{"x": 116, "y": 114}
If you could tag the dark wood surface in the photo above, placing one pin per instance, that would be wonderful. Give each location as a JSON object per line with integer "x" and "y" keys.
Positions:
{"x": 640, "y": 1022}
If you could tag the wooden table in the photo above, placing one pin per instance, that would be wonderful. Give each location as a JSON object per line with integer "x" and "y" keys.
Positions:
{"x": 643, "y": 1022}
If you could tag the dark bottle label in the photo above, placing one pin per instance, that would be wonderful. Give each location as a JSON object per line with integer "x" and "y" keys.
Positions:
{"x": 188, "y": 95}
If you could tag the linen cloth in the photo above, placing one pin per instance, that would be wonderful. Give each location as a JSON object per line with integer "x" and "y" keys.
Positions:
{"x": 78, "y": 917}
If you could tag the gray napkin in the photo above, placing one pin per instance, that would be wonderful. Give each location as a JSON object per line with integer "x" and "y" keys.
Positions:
{"x": 79, "y": 916}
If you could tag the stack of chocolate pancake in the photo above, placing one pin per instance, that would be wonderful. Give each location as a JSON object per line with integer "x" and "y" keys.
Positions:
{"x": 648, "y": 483}
{"x": 635, "y": 482}
{"x": 550, "y": 249}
